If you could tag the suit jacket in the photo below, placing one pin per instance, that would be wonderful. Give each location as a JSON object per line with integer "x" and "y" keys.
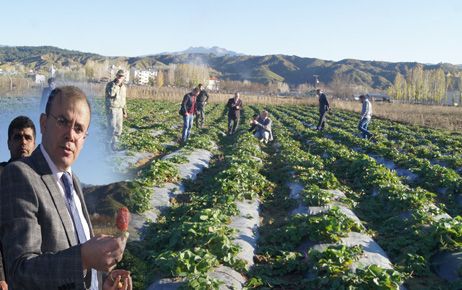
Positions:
{"x": 2, "y": 269}
{"x": 40, "y": 247}
{"x": 233, "y": 112}
{"x": 323, "y": 103}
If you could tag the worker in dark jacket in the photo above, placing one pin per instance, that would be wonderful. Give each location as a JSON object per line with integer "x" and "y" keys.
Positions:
{"x": 323, "y": 109}
{"x": 201, "y": 101}
{"x": 188, "y": 106}
{"x": 21, "y": 143}
{"x": 234, "y": 113}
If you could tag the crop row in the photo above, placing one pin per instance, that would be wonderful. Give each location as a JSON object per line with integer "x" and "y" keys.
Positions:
{"x": 444, "y": 140}
{"x": 438, "y": 147}
{"x": 435, "y": 178}
{"x": 194, "y": 236}
{"x": 406, "y": 222}
{"x": 156, "y": 173}
{"x": 321, "y": 222}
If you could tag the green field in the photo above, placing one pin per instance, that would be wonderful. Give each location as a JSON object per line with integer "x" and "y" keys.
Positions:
{"x": 403, "y": 193}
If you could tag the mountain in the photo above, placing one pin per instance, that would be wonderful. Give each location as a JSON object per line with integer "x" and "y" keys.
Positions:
{"x": 217, "y": 51}
{"x": 292, "y": 70}
{"x": 37, "y": 58}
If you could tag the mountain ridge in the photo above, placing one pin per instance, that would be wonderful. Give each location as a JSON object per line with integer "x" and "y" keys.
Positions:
{"x": 291, "y": 69}
{"x": 218, "y": 51}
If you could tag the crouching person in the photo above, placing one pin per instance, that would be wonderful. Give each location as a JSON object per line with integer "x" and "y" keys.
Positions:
{"x": 263, "y": 127}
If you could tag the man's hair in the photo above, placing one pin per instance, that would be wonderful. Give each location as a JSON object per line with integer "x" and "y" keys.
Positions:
{"x": 19, "y": 123}
{"x": 51, "y": 80}
{"x": 66, "y": 92}
{"x": 200, "y": 85}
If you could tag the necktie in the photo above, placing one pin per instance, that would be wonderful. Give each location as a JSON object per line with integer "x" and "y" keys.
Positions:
{"x": 68, "y": 190}
{"x": 72, "y": 208}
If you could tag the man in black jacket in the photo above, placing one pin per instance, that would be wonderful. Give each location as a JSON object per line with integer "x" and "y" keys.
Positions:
{"x": 323, "y": 109}
{"x": 21, "y": 143}
{"x": 234, "y": 113}
{"x": 201, "y": 101}
{"x": 21, "y": 139}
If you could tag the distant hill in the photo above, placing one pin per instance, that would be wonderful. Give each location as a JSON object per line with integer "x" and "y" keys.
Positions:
{"x": 293, "y": 70}
{"x": 217, "y": 51}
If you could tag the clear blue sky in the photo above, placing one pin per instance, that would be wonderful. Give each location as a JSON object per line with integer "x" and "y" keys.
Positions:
{"x": 390, "y": 30}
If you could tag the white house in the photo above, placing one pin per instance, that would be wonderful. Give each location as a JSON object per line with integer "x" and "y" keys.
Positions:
{"x": 142, "y": 77}
{"x": 213, "y": 84}
{"x": 39, "y": 79}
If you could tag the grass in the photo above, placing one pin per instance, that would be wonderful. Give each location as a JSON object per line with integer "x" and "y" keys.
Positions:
{"x": 443, "y": 117}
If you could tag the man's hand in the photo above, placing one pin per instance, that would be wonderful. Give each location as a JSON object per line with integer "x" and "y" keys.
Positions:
{"x": 3, "y": 285}
{"x": 118, "y": 280}
{"x": 102, "y": 252}
{"x": 125, "y": 115}
{"x": 237, "y": 107}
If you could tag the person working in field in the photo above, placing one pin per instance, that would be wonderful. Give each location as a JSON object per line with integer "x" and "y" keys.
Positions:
{"x": 45, "y": 229}
{"x": 263, "y": 127}
{"x": 324, "y": 107}
{"x": 365, "y": 119}
{"x": 21, "y": 143}
{"x": 202, "y": 100}
{"x": 253, "y": 126}
{"x": 116, "y": 107}
{"x": 188, "y": 110}
{"x": 234, "y": 106}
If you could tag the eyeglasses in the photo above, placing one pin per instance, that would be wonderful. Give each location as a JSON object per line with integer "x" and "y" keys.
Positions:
{"x": 62, "y": 122}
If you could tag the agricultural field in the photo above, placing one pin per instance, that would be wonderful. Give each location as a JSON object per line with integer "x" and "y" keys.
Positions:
{"x": 309, "y": 210}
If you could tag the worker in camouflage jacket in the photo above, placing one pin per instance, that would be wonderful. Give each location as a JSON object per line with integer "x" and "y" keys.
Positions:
{"x": 116, "y": 106}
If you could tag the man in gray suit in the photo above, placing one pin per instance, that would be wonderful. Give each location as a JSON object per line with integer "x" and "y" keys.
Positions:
{"x": 45, "y": 229}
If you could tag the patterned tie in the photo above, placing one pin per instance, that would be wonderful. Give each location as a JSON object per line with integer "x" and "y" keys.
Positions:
{"x": 68, "y": 189}
{"x": 72, "y": 208}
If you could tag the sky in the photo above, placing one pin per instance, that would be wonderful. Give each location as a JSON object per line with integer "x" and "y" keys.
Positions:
{"x": 425, "y": 31}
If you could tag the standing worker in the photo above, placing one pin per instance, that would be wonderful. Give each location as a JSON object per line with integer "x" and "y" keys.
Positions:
{"x": 366, "y": 114}
{"x": 323, "y": 109}
{"x": 116, "y": 106}
{"x": 188, "y": 107}
{"x": 234, "y": 113}
{"x": 201, "y": 101}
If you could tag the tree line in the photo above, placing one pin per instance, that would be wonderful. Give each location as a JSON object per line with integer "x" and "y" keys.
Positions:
{"x": 425, "y": 86}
